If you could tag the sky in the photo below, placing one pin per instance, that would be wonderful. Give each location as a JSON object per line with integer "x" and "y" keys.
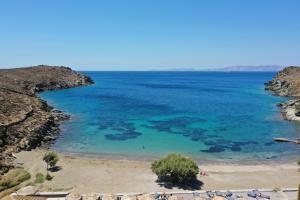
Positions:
{"x": 149, "y": 34}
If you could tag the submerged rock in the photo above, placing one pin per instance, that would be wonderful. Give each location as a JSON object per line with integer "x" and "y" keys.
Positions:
{"x": 215, "y": 149}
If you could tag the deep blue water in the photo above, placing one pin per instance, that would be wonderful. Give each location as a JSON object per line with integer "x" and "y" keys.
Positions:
{"x": 206, "y": 115}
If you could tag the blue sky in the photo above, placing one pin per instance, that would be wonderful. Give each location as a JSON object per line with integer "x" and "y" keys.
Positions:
{"x": 152, "y": 34}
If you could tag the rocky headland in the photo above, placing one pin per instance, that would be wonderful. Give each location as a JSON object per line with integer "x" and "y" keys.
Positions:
{"x": 287, "y": 84}
{"x": 26, "y": 121}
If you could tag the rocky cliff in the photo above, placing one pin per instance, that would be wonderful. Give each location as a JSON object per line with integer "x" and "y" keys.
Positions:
{"x": 287, "y": 83}
{"x": 26, "y": 121}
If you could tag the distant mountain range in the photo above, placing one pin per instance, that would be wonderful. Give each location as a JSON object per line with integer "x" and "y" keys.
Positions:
{"x": 260, "y": 68}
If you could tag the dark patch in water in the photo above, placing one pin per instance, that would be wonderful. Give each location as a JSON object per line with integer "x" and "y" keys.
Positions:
{"x": 221, "y": 129}
{"x": 235, "y": 147}
{"x": 111, "y": 123}
{"x": 126, "y": 130}
{"x": 269, "y": 143}
{"x": 226, "y": 145}
{"x": 181, "y": 125}
{"x": 215, "y": 149}
{"x": 123, "y": 136}
{"x": 119, "y": 128}
{"x": 195, "y": 134}
{"x": 132, "y": 106}
{"x": 209, "y": 143}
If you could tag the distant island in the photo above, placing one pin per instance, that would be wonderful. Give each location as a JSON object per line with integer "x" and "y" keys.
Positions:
{"x": 260, "y": 68}
{"x": 26, "y": 121}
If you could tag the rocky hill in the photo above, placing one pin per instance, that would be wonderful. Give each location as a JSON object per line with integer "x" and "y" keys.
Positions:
{"x": 26, "y": 121}
{"x": 287, "y": 83}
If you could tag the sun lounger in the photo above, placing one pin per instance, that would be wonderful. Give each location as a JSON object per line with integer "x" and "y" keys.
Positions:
{"x": 265, "y": 196}
{"x": 257, "y": 194}
{"x": 228, "y": 194}
{"x": 224, "y": 194}
{"x": 251, "y": 194}
{"x": 156, "y": 195}
{"x": 196, "y": 194}
{"x": 220, "y": 194}
{"x": 210, "y": 194}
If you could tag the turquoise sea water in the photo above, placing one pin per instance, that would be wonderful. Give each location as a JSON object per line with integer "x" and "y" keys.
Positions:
{"x": 207, "y": 115}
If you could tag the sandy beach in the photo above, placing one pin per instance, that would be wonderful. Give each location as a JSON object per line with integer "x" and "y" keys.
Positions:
{"x": 84, "y": 175}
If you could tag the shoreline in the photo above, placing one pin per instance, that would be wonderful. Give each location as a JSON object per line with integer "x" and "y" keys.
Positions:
{"x": 288, "y": 109}
{"x": 86, "y": 174}
{"x": 147, "y": 158}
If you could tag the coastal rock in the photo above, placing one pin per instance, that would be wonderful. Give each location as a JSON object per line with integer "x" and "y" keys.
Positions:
{"x": 291, "y": 109}
{"x": 26, "y": 121}
{"x": 287, "y": 83}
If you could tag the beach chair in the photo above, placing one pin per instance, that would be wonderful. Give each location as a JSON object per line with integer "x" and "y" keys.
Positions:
{"x": 196, "y": 196}
{"x": 156, "y": 195}
{"x": 228, "y": 194}
{"x": 264, "y": 196}
{"x": 220, "y": 194}
{"x": 251, "y": 194}
{"x": 257, "y": 194}
{"x": 210, "y": 194}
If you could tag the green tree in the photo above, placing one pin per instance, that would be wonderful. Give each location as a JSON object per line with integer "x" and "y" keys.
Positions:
{"x": 50, "y": 159}
{"x": 176, "y": 168}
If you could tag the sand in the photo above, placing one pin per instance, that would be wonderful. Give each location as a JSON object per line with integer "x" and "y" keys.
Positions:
{"x": 85, "y": 175}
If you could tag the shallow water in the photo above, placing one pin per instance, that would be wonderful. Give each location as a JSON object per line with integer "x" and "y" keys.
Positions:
{"x": 206, "y": 115}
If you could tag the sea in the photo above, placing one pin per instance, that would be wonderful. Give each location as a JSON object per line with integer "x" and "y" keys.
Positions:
{"x": 209, "y": 116}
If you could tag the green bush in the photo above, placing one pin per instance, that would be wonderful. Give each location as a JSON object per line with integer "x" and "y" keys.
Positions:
{"x": 51, "y": 159}
{"x": 39, "y": 178}
{"x": 49, "y": 177}
{"x": 176, "y": 168}
{"x": 13, "y": 178}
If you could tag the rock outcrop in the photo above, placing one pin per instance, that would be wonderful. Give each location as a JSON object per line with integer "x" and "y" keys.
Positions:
{"x": 287, "y": 84}
{"x": 26, "y": 121}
